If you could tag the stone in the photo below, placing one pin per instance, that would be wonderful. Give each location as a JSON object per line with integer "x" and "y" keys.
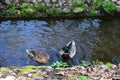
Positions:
{"x": 114, "y": 1}
{"x": 34, "y": 1}
{"x": 39, "y": 0}
{"x": 66, "y": 10}
{"x": 28, "y": 0}
{"x": 118, "y": 8}
{"x": 78, "y": 10}
{"x": 16, "y": 1}
{"x": 54, "y": 1}
{"x": 118, "y": 2}
{"x": 8, "y": 78}
{"x": 7, "y": 1}
{"x": 47, "y": 1}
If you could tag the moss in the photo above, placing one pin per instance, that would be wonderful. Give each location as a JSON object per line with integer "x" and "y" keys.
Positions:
{"x": 83, "y": 78}
{"x": 4, "y": 69}
{"x": 109, "y": 64}
{"x": 27, "y": 69}
{"x": 73, "y": 76}
{"x": 36, "y": 75}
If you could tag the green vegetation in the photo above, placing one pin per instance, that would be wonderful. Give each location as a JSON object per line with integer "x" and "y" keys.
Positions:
{"x": 83, "y": 78}
{"x": 73, "y": 76}
{"x": 109, "y": 65}
{"x": 108, "y": 6}
{"x": 10, "y": 11}
{"x": 85, "y": 63}
{"x": 36, "y": 75}
{"x": 27, "y": 9}
{"x": 93, "y": 11}
{"x": 51, "y": 11}
{"x": 59, "y": 64}
{"x": 27, "y": 69}
{"x": 40, "y": 7}
{"x": 95, "y": 6}
{"x": 34, "y": 10}
{"x": 78, "y": 4}
{"x": 3, "y": 69}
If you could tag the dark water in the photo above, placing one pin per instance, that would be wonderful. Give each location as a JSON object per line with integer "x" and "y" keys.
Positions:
{"x": 95, "y": 40}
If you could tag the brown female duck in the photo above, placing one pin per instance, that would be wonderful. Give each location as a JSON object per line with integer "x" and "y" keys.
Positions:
{"x": 38, "y": 56}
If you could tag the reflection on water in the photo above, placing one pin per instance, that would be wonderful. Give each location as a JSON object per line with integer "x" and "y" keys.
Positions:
{"x": 95, "y": 40}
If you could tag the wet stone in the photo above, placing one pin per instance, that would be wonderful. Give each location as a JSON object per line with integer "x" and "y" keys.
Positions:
{"x": 118, "y": 8}
{"x": 28, "y": 0}
{"x": 66, "y": 10}
{"x": 78, "y": 10}
{"x": 118, "y": 2}
{"x": 8, "y": 78}
{"x": 39, "y": 0}
{"x": 54, "y": 1}
{"x": 34, "y": 1}
{"x": 47, "y": 1}
{"x": 16, "y": 1}
{"x": 7, "y": 1}
{"x": 114, "y": 0}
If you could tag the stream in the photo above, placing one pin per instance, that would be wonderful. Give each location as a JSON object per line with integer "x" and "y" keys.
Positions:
{"x": 96, "y": 40}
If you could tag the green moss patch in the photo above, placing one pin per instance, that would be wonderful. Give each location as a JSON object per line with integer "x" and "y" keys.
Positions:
{"x": 3, "y": 69}
{"x": 27, "y": 69}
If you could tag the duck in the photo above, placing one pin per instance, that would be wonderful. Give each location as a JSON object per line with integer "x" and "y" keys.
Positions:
{"x": 68, "y": 51}
{"x": 38, "y": 56}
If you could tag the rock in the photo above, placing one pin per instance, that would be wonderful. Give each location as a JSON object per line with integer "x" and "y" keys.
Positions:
{"x": 34, "y": 1}
{"x": 28, "y": 0}
{"x": 47, "y": 1}
{"x": 7, "y": 1}
{"x": 54, "y": 1}
{"x": 118, "y": 2}
{"x": 39, "y": 0}
{"x": 8, "y": 78}
{"x": 23, "y": 78}
{"x": 66, "y": 10}
{"x": 118, "y": 8}
{"x": 114, "y": 1}
{"x": 16, "y": 1}
{"x": 78, "y": 10}
{"x": 60, "y": 73}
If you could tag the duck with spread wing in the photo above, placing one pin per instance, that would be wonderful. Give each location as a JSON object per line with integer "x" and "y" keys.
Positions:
{"x": 69, "y": 50}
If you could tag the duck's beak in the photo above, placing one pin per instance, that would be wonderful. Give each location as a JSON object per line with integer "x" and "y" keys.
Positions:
{"x": 61, "y": 52}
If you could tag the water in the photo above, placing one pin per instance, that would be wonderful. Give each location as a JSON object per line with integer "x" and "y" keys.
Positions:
{"x": 95, "y": 40}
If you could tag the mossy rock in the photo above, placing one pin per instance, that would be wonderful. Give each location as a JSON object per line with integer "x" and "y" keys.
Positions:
{"x": 27, "y": 69}
{"x": 4, "y": 68}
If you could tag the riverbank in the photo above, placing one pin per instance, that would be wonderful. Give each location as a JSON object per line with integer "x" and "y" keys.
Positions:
{"x": 96, "y": 72}
{"x": 59, "y": 8}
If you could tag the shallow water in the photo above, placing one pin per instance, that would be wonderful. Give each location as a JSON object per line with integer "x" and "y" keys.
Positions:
{"x": 95, "y": 40}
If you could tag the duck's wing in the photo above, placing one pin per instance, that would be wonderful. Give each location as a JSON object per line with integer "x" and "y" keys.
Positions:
{"x": 68, "y": 44}
{"x": 72, "y": 50}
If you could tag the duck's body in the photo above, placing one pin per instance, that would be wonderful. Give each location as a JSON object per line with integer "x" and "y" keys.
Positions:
{"x": 38, "y": 56}
{"x": 68, "y": 51}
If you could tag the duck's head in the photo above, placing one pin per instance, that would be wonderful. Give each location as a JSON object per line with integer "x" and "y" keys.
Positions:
{"x": 31, "y": 53}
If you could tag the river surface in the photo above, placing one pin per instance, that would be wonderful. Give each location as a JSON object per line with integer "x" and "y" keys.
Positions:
{"x": 95, "y": 39}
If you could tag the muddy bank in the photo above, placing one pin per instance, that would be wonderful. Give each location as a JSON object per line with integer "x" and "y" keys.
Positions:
{"x": 59, "y": 8}
{"x": 97, "y": 72}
